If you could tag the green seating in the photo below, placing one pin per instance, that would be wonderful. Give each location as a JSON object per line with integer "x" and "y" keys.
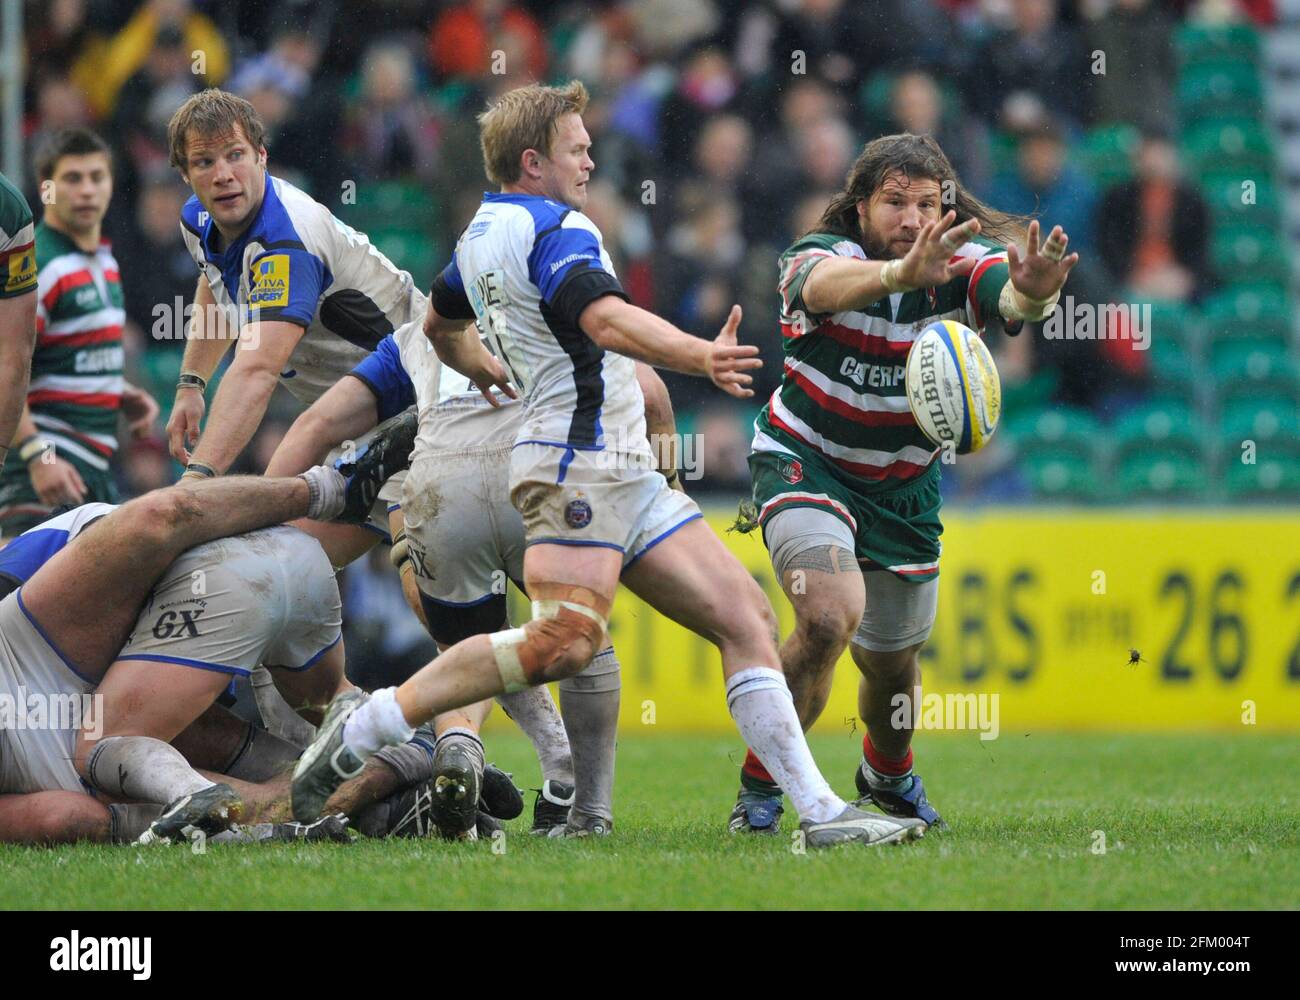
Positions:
{"x": 1259, "y": 420}
{"x": 1197, "y": 44}
{"x": 1273, "y": 476}
{"x": 1161, "y": 473}
{"x": 1059, "y": 426}
{"x": 1242, "y": 196}
{"x": 410, "y": 250}
{"x": 1108, "y": 153}
{"x": 1247, "y": 249}
{"x": 1057, "y": 476}
{"x": 1174, "y": 373}
{"x": 1160, "y": 425}
{"x": 1176, "y": 326}
{"x": 1258, "y": 364}
{"x": 1219, "y": 88}
{"x": 1248, "y": 312}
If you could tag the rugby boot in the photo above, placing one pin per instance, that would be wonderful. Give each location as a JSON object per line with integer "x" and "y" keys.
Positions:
{"x": 911, "y": 803}
{"x": 852, "y": 826}
{"x": 208, "y": 811}
{"x": 327, "y": 763}
{"x": 381, "y": 453}
{"x": 551, "y": 809}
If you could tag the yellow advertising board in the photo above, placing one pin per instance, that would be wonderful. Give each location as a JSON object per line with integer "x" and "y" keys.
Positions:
{"x": 1041, "y": 607}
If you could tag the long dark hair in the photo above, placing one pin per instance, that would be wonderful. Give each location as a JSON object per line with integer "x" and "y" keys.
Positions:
{"x": 917, "y": 157}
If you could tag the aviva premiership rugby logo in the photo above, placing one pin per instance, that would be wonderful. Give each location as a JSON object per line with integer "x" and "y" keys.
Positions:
{"x": 577, "y": 514}
{"x": 270, "y": 283}
{"x": 791, "y": 470}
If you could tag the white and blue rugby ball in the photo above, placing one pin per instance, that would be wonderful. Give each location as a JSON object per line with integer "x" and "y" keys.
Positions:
{"x": 953, "y": 387}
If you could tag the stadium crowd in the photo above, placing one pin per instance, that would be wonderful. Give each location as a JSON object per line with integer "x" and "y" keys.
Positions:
{"x": 721, "y": 130}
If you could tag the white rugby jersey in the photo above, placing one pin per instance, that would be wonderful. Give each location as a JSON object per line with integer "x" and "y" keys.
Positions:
{"x": 525, "y": 268}
{"x": 297, "y": 263}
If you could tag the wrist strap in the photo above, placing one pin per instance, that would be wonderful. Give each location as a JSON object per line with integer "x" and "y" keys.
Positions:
{"x": 33, "y": 447}
{"x": 191, "y": 380}
{"x": 889, "y": 277}
{"x": 199, "y": 469}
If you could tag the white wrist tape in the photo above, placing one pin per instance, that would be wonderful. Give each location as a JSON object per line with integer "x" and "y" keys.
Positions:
{"x": 1014, "y": 306}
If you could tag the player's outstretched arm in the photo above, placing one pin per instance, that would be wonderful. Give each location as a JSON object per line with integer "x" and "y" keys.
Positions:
{"x": 1037, "y": 275}
{"x": 844, "y": 284}
{"x": 346, "y": 411}
{"x": 205, "y": 346}
{"x": 241, "y": 402}
{"x": 17, "y": 339}
{"x": 619, "y": 326}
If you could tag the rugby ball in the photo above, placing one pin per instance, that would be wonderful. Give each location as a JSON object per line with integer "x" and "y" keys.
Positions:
{"x": 953, "y": 388}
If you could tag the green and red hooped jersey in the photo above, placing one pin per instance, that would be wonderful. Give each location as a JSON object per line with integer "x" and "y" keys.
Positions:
{"x": 842, "y": 393}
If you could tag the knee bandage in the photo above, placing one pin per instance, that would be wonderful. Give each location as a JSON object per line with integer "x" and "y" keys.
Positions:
{"x": 562, "y": 615}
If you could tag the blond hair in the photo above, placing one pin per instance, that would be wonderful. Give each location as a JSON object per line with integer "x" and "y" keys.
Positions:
{"x": 212, "y": 112}
{"x": 522, "y": 119}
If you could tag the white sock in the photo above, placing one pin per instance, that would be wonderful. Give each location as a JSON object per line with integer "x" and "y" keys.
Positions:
{"x": 325, "y": 492}
{"x": 533, "y": 711}
{"x": 763, "y": 708}
{"x": 376, "y": 724}
{"x": 142, "y": 769}
{"x": 589, "y": 704}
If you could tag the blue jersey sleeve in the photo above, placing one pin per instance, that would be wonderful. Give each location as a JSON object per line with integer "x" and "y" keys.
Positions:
{"x": 566, "y": 267}
{"x": 383, "y": 373}
{"x": 285, "y": 285}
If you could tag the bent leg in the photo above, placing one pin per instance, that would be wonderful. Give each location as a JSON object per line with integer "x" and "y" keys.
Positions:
{"x": 53, "y": 817}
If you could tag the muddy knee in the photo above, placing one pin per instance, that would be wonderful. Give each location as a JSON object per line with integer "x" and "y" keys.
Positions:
{"x": 567, "y": 630}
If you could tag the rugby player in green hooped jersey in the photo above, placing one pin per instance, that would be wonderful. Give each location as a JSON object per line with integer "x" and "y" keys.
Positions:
{"x": 845, "y": 484}
{"x": 67, "y": 432}
{"x": 17, "y": 306}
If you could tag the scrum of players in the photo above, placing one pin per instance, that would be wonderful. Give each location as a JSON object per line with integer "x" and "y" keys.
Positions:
{"x": 497, "y": 428}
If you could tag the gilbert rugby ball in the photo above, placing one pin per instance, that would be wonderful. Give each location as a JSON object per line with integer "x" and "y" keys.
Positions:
{"x": 953, "y": 388}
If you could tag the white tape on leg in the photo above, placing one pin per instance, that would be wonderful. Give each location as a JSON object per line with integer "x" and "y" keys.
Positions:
{"x": 505, "y": 649}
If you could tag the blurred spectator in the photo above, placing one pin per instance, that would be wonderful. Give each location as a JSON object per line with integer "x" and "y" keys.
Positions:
{"x": 1136, "y": 38}
{"x": 916, "y": 106}
{"x": 703, "y": 251}
{"x": 1154, "y": 231}
{"x": 1019, "y": 74}
{"x": 1047, "y": 185}
{"x": 625, "y": 233}
{"x": 708, "y": 85}
{"x": 169, "y": 273}
{"x": 146, "y": 466}
{"x": 390, "y": 130}
{"x": 721, "y": 446}
{"x": 464, "y": 39}
{"x": 147, "y": 101}
{"x": 129, "y": 50}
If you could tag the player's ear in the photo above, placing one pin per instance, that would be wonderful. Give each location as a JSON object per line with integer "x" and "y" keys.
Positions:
{"x": 531, "y": 161}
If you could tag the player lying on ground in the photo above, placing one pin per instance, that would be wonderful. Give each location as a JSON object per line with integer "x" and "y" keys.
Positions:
{"x": 49, "y": 643}
{"x": 145, "y": 696}
{"x": 846, "y": 485}
{"x": 462, "y": 541}
{"x": 531, "y": 269}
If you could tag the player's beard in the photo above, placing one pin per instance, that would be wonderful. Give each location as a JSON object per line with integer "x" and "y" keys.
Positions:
{"x": 876, "y": 248}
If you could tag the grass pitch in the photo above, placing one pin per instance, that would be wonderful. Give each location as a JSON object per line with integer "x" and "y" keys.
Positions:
{"x": 1189, "y": 821}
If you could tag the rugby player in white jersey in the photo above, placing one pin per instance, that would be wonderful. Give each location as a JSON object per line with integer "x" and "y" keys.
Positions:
{"x": 462, "y": 540}
{"x": 530, "y": 268}
{"x": 304, "y": 295}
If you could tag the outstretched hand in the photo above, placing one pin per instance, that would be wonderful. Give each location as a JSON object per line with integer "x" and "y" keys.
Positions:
{"x": 1041, "y": 272}
{"x": 728, "y": 362}
{"x": 929, "y": 262}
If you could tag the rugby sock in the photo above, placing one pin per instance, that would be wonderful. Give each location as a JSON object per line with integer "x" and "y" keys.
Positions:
{"x": 889, "y": 774}
{"x": 763, "y": 708}
{"x": 754, "y": 777}
{"x": 261, "y": 756}
{"x": 589, "y": 704}
{"x": 377, "y": 723}
{"x": 326, "y": 492}
{"x": 534, "y": 712}
{"x": 143, "y": 769}
{"x": 468, "y": 740}
{"x": 126, "y": 821}
{"x": 411, "y": 761}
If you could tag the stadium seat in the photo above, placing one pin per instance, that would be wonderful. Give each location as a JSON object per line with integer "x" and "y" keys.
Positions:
{"x": 1175, "y": 373}
{"x": 1159, "y": 424}
{"x": 1258, "y": 365}
{"x": 1059, "y": 426}
{"x": 1176, "y": 326}
{"x": 1197, "y": 44}
{"x": 1030, "y": 395}
{"x": 1247, "y": 249}
{"x": 1062, "y": 476}
{"x": 1248, "y": 313}
{"x": 1219, "y": 88}
{"x": 1107, "y": 151}
{"x": 1160, "y": 473}
{"x": 1258, "y": 420}
{"x": 1242, "y": 196}
{"x": 1273, "y": 476}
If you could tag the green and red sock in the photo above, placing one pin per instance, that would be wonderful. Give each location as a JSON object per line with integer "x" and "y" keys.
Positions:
{"x": 890, "y": 774}
{"x": 754, "y": 777}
